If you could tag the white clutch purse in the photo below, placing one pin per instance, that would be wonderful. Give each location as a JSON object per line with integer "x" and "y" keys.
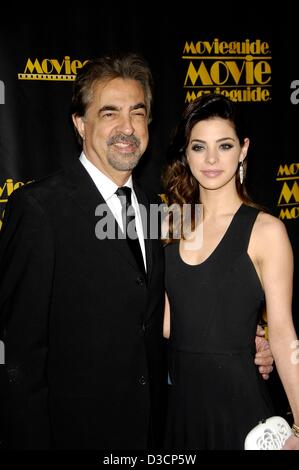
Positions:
{"x": 269, "y": 434}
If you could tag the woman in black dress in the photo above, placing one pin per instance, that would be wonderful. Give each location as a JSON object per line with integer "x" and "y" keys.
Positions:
{"x": 234, "y": 260}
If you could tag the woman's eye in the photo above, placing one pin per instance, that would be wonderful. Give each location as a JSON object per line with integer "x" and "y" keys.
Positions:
{"x": 197, "y": 147}
{"x": 226, "y": 146}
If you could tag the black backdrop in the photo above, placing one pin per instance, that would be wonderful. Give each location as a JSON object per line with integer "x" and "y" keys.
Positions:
{"x": 189, "y": 48}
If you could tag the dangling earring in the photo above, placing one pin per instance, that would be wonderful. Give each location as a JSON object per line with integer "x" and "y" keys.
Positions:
{"x": 241, "y": 172}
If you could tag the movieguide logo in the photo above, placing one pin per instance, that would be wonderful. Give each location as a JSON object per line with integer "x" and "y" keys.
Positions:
{"x": 6, "y": 189}
{"x": 51, "y": 69}
{"x": 240, "y": 70}
{"x": 288, "y": 202}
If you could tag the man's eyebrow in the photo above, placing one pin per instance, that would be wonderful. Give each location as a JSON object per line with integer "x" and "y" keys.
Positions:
{"x": 139, "y": 106}
{"x": 111, "y": 107}
{"x": 108, "y": 107}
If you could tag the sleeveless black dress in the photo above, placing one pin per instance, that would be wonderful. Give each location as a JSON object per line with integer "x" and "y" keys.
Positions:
{"x": 217, "y": 394}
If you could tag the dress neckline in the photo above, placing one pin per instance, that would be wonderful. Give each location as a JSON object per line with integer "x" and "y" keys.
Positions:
{"x": 217, "y": 247}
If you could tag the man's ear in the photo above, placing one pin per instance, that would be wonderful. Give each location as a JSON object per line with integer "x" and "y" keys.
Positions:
{"x": 79, "y": 125}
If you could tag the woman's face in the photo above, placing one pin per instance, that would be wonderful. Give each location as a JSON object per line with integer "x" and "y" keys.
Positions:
{"x": 214, "y": 152}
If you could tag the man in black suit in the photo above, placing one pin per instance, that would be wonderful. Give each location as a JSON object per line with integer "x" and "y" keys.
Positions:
{"x": 82, "y": 313}
{"x": 82, "y": 320}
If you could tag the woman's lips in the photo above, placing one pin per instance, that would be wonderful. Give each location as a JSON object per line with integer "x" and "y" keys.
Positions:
{"x": 211, "y": 173}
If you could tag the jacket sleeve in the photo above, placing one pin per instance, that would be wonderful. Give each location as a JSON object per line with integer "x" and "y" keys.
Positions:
{"x": 26, "y": 275}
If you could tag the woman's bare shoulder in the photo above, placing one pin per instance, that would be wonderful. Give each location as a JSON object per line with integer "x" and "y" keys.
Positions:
{"x": 270, "y": 231}
{"x": 266, "y": 223}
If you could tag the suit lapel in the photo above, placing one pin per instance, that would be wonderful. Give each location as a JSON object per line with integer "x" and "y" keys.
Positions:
{"x": 86, "y": 195}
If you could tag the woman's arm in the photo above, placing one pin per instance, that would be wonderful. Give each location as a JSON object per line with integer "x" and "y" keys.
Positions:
{"x": 276, "y": 268}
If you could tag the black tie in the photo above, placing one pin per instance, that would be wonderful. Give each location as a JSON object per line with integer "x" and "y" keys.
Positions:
{"x": 128, "y": 216}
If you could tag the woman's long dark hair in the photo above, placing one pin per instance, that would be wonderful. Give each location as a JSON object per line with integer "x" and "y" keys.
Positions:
{"x": 181, "y": 187}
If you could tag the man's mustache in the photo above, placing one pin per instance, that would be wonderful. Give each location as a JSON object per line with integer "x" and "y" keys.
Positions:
{"x": 124, "y": 139}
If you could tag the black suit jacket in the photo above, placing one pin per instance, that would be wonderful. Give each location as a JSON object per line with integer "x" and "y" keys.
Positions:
{"x": 82, "y": 328}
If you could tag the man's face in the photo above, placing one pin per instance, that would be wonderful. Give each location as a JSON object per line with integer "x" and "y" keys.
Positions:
{"x": 115, "y": 127}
